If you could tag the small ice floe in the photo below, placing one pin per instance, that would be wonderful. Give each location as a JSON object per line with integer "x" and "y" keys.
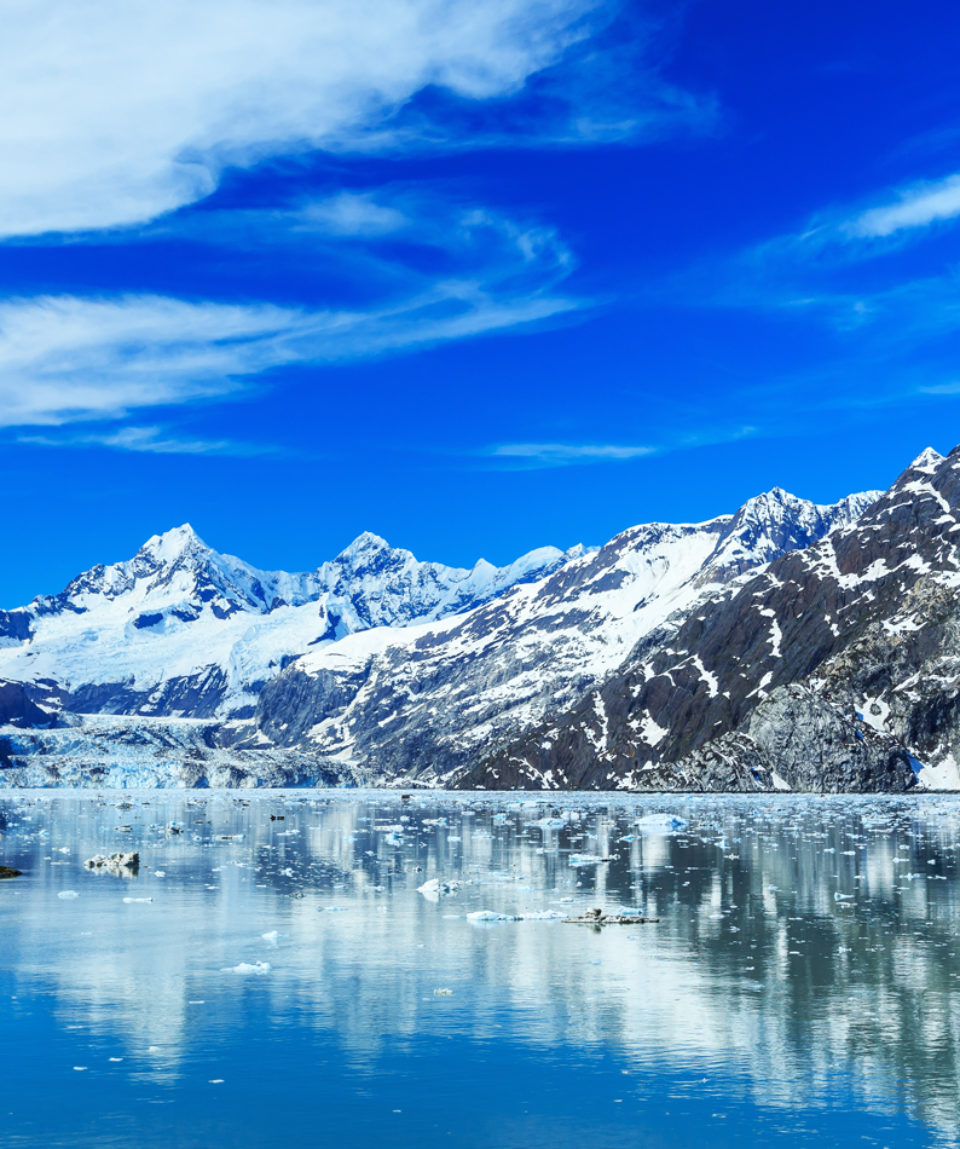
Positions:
{"x": 116, "y": 1059}
{"x": 245, "y": 967}
{"x": 599, "y": 918}
{"x": 67, "y": 895}
{"x": 588, "y": 860}
{"x": 119, "y": 865}
{"x": 159, "y": 873}
{"x": 270, "y": 937}
{"x": 215, "y": 1081}
{"x": 442, "y": 991}
{"x": 133, "y": 901}
{"x": 838, "y": 897}
{"x": 533, "y": 916}
{"x": 331, "y": 909}
{"x": 434, "y": 889}
{"x": 551, "y": 823}
{"x": 80, "y": 1069}
{"x": 661, "y": 823}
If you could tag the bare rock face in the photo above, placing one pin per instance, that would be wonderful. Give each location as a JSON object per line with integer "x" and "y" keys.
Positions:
{"x": 836, "y": 667}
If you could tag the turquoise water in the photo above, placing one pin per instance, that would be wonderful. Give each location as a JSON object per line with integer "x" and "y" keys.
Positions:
{"x": 287, "y": 984}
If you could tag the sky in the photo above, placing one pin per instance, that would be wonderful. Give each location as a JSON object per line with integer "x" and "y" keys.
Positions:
{"x": 475, "y": 277}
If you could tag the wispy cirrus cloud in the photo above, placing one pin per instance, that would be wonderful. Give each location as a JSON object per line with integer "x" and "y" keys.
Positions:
{"x": 846, "y": 234}
{"x": 568, "y": 454}
{"x": 537, "y": 455}
{"x": 468, "y": 272}
{"x": 127, "y": 109}
{"x": 917, "y": 206}
{"x": 151, "y": 440}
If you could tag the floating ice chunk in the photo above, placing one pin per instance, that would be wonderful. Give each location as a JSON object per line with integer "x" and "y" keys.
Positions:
{"x": 661, "y": 823}
{"x": 332, "y": 909}
{"x": 245, "y": 967}
{"x": 433, "y": 889}
{"x": 120, "y": 865}
{"x": 270, "y": 936}
{"x": 131, "y": 901}
{"x": 586, "y": 859}
{"x": 67, "y": 895}
{"x": 533, "y": 916}
{"x": 442, "y": 991}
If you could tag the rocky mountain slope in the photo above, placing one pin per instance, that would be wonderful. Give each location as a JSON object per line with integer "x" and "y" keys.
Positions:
{"x": 181, "y": 630}
{"x": 374, "y": 668}
{"x": 835, "y": 667}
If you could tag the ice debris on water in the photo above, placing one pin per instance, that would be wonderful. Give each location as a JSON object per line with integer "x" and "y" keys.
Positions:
{"x": 119, "y": 865}
{"x": 661, "y": 823}
{"x": 587, "y": 860}
{"x": 67, "y": 895}
{"x": 433, "y": 889}
{"x": 534, "y": 916}
{"x": 245, "y": 967}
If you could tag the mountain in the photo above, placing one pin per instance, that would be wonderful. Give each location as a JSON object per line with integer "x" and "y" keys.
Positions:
{"x": 422, "y": 703}
{"x": 375, "y": 668}
{"x": 836, "y": 667}
{"x": 180, "y": 629}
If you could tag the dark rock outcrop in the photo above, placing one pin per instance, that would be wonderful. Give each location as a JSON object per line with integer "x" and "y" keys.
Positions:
{"x": 775, "y": 678}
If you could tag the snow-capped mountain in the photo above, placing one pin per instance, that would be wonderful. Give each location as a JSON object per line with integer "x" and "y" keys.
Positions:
{"x": 836, "y": 667}
{"x": 421, "y": 702}
{"x": 182, "y": 629}
{"x": 374, "y": 667}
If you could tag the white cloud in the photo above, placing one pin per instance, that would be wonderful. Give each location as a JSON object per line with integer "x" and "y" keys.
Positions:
{"x": 119, "y": 110}
{"x": 561, "y": 454}
{"x": 918, "y": 206}
{"x": 147, "y": 440}
{"x": 65, "y": 359}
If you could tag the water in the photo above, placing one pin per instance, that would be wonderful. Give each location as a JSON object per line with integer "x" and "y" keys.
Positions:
{"x": 802, "y": 986}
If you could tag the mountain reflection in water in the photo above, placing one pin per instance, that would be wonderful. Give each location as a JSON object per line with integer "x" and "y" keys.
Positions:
{"x": 288, "y": 984}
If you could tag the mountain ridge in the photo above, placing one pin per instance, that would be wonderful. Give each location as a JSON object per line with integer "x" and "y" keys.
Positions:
{"x": 327, "y": 684}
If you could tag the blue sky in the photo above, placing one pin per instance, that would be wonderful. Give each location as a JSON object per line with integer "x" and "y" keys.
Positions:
{"x": 476, "y": 277}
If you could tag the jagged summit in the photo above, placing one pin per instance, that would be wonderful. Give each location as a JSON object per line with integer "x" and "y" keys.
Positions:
{"x": 172, "y": 544}
{"x": 364, "y": 544}
{"x": 928, "y": 460}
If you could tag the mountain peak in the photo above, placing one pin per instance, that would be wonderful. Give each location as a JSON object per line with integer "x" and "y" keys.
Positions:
{"x": 365, "y": 543}
{"x": 172, "y": 544}
{"x": 927, "y": 460}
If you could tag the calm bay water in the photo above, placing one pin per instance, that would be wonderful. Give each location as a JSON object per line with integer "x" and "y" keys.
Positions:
{"x": 287, "y": 985}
